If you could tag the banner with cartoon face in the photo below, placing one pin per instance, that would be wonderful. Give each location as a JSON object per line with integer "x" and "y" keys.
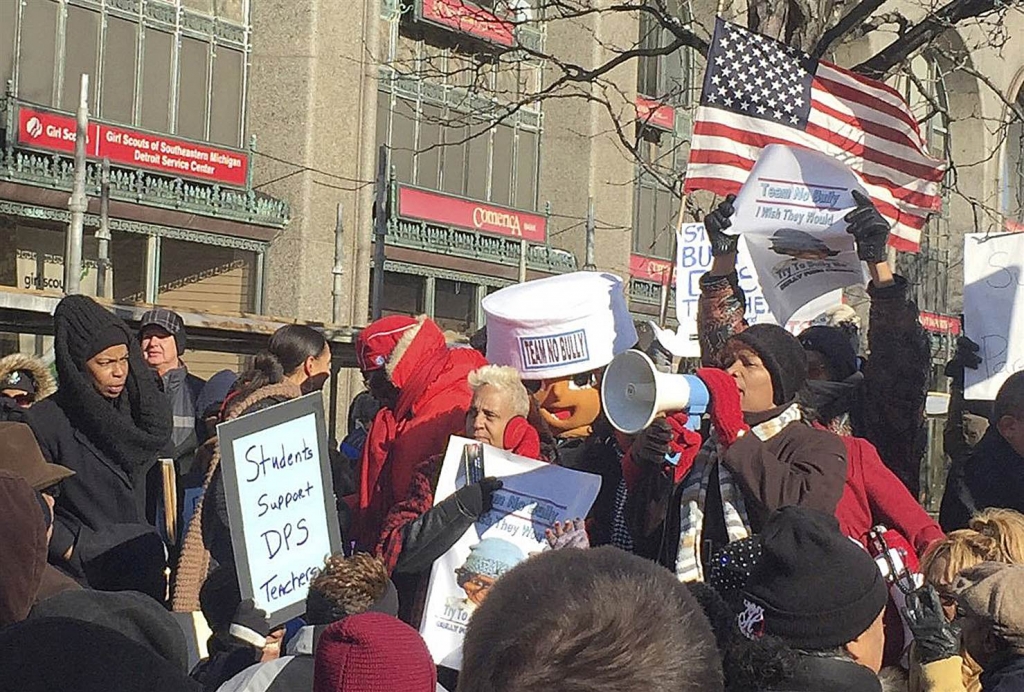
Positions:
{"x": 535, "y": 495}
{"x": 790, "y": 211}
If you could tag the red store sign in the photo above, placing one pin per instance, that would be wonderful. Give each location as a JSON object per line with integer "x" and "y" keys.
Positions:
{"x": 50, "y": 131}
{"x": 468, "y": 18}
{"x": 655, "y": 114}
{"x": 649, "y": 269}
{"x": 445, "y": 210}
{"x": 940, "y": 324}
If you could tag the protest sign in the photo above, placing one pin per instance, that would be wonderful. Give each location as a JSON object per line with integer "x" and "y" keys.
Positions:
{"x": 693, "y": 260}
{"x": 790, "y": 211}
{"x": 993, "y": 309}
{"x": 535, "y": 496}
{"x": 281, "y": 506}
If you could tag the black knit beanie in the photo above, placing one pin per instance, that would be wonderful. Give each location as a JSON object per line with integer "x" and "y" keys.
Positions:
{"x": 87, "y": 328}
{"x": 813, "y": 587}
{"x": 834, "y": 345}
{"x": 783, "y": 357}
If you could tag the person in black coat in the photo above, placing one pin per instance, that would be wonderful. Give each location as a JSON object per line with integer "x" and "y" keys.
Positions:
{"x": 992, "y": 474}
{"x": 107, "y": 422}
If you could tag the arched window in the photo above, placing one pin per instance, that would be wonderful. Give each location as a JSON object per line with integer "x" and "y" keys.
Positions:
{"x": 1013, "y": 169}
{"x": 666, "y": 80}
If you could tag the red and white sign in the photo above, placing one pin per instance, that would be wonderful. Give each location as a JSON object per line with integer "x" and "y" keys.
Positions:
{"x": 940, "y": 324}
{"x": 649, "y": 268}
{"x": 424, "y": 205}
{"x": 655, "y": 114}
{"x": 50, "y": 131}
{"x": 468, "y": 18}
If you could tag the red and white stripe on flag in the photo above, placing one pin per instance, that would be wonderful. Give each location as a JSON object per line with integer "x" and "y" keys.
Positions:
{"x": 758, "y": 91}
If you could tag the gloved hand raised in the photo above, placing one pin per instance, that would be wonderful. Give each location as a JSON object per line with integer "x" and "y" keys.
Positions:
{"x": 937, "y": 638}
{"x": 475, "y": 499}
{"x": 965, "y": 356}
{"x": 869, "y": 229}
{"x": 716, "y": 222}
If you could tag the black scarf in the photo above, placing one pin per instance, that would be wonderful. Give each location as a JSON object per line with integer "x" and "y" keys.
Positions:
{"x": 829, "y": 400}
{"x": 131, "y": 429}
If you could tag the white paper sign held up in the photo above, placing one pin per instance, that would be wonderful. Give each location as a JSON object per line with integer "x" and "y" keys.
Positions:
{"x": 993, "y": 309}
{"x": 281, "y": 506}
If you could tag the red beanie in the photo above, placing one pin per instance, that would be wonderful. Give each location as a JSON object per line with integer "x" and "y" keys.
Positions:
{"x": 373, "y": 652}
{"x": 376, "y": 342}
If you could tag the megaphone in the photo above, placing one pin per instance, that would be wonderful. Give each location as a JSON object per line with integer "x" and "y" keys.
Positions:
{"x": 634, "y": 392}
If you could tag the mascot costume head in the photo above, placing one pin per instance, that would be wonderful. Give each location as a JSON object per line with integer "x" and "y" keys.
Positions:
{"x": 559, "y": 333}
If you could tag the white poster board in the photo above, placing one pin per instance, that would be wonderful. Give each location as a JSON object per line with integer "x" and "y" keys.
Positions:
{"x": 790, "y": 211}
{"x": 535, "y": 495}
{"x": 993, "y": 309}
{"x": 693, "y": 260}
{"x": 281, "y": 505}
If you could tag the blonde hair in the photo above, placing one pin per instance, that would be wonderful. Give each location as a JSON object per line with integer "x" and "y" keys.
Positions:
{"x": 993, "y": 535}
{"x": 505, "y": 379}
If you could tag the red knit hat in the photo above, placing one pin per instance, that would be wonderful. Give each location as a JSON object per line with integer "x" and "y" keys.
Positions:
{"x": 373, "y": 652}
{"x": 376, "y": 342}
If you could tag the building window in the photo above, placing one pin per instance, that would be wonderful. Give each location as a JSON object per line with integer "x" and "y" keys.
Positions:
{"x": 206, "y": 278}
{"x": 174, "y": 67}
{"x": 669, "y": 80}
{"x": 434, "y": 147}
{"x": 455, "y": 305}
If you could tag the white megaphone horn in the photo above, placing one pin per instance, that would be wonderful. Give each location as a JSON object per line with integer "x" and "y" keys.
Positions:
{"x": 634, "y": 392}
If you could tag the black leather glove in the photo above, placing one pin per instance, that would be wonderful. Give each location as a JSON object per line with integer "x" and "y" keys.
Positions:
{"x": 965, "y": 356}
{"x": 869, "y": 229}
{"x": 249, "y": 624}
{"x": 716, "y": 222}
{"x": 651, "y": 445}
{"x": 475, "y": 499}
{"x": 937, "y": 638}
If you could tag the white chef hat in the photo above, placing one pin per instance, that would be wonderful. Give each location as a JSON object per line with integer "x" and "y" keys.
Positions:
{"x": 559, "y": 326}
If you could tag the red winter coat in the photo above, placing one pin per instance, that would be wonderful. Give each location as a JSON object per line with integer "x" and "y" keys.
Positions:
{"x": 874, "y": 495}
{"x": 433, "y": 397}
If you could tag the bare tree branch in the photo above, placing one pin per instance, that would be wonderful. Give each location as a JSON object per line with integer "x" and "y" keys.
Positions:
{"x": 924, "y": 32}
{"x": 850, "y": 21}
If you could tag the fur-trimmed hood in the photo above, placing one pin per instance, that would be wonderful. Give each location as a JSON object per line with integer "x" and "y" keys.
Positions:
{"x": 45, "y": 384}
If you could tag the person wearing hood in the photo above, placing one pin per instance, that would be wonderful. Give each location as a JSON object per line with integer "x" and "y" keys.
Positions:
{"x": 297, "y": 362}
{"x": 690, "y": 499}
{"x": 24, "y": 380}
{"x": 811, "y": 610}
{"x": 421, "y": 384}
{"x": 108, "y": 423}
{"x": 163, "y": 340}
{"x": 884, "y": 406}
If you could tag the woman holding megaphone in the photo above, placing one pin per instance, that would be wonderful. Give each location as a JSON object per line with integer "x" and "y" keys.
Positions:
{"x": 687, "y": 498}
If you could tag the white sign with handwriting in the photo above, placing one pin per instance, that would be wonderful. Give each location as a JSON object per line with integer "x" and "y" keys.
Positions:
{"x": 993, "y": 309}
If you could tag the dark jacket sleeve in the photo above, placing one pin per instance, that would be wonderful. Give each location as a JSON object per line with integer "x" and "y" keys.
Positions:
{"x": 896, "y": 381}
{"x": 799, "y": 466}
{"x": 720, "y": 314}
{"x": 430, "y": 535}
{"x": 415, "y": 532}
{"x": 51, "y": 432}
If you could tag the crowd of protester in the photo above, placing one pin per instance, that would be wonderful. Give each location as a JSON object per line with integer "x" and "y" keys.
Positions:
{"x": 776, "y": 545}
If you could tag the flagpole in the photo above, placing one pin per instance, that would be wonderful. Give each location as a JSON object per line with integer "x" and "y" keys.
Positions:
{"x": 666, "y": 289}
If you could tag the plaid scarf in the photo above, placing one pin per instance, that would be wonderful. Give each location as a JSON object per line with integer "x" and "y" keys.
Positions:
{"x": 689, "y": 565}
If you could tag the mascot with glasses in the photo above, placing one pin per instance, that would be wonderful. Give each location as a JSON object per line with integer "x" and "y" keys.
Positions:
{"x": 559, "y": 333}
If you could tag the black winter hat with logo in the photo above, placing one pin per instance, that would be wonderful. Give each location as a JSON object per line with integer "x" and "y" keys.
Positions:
{"x": 813, "y": 587}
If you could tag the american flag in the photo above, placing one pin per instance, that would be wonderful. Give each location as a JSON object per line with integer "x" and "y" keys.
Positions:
{"x": 758, "y": 91}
